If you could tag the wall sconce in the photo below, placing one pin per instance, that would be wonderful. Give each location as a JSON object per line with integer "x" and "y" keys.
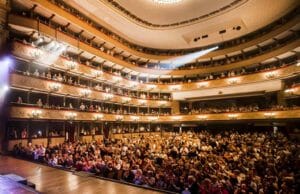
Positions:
{"x": 289, "y": 91}
{"x": 35, "y": 114}
{"x": 97, "y": 73}
{"x": 98, "y": 117}
{"x": 152, "y": 119}
{"x": 142, "y": 102}
{"x": 116, "y": 80}
{"x": 202, "y": 117}
{"x": 133, "y": 85}
{"x": 202, "y": 84}
{"x": 54, "y": 87}
{"x": 233, "y": 116}
{"x": 35, "y": 53}
{"x": 119, "y": 118}
{"x": 71, "y": 65}
{"x": 135, "y": 118}
{"x": 71, "y": 116}
{"x": 176, "y": 118}
{"x": 151, "y": 87}
{"x": 232, "y": 81}
{"x": 126, "y": 100}
{"x": 85, "y": 92}
{"x": 269, "y": 115}
{"x": 108, "y": 97}
{"x": 162, "y": 103}
{"x": 175, "y": 87}
{"x": 271, "y": 75}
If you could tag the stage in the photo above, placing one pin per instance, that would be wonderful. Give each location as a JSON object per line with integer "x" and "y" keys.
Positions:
{"x": 51, "y": 180}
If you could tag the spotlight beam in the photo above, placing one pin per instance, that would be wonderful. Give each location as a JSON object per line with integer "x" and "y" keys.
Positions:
{"x": 182, "y": 60}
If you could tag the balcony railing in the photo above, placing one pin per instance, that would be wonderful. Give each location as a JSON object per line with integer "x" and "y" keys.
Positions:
{"x": 20, "y": 112}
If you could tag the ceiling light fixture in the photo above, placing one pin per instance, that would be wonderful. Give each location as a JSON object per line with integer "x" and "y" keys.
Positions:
{"x": 166, "y": 1}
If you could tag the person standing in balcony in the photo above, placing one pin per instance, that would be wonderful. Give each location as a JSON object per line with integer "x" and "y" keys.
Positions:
{"x": 39, "y": 102}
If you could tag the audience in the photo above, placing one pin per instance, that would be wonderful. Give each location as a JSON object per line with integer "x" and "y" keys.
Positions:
{"x": 234, "y": 108}
{"x": 189, "y": 162}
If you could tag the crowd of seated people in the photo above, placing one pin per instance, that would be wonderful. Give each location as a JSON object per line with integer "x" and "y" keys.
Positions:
{"x": 225, "y": 108}
{"x": 189, "y": 162}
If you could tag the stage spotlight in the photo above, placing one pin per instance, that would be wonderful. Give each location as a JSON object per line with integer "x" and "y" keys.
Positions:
{"x": 5, "y": 88}
{"x": 5, "y": 64}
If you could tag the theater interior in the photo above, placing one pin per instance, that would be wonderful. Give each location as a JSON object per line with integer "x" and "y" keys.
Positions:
{"x": 150, "y": 96}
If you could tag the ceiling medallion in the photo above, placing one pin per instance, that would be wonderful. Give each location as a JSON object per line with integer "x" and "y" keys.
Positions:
{"x": 166, "y": 1}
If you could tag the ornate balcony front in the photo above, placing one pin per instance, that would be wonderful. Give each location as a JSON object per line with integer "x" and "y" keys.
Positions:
{"x": 20, "y": 112}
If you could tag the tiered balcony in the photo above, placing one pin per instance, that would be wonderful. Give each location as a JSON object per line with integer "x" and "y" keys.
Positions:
{"x": 61, "y": 36}
{"x": 27, "y": 52}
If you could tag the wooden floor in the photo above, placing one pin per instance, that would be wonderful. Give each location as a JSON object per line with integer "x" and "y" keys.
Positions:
{"x": 9, "y": 186}
{"x": 51, "y": 180}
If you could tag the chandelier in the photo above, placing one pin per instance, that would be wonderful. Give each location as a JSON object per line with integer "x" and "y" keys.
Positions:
{"x": 166, "y": 1}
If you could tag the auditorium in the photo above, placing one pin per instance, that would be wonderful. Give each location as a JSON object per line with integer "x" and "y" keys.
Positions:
{"x": 150, "y": 96}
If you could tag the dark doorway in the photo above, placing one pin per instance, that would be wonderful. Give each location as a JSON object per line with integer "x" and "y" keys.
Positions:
{"x": 70, "y": 131}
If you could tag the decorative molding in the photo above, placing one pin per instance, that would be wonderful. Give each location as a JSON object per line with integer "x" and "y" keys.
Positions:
{"x": 136, "y": 19}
